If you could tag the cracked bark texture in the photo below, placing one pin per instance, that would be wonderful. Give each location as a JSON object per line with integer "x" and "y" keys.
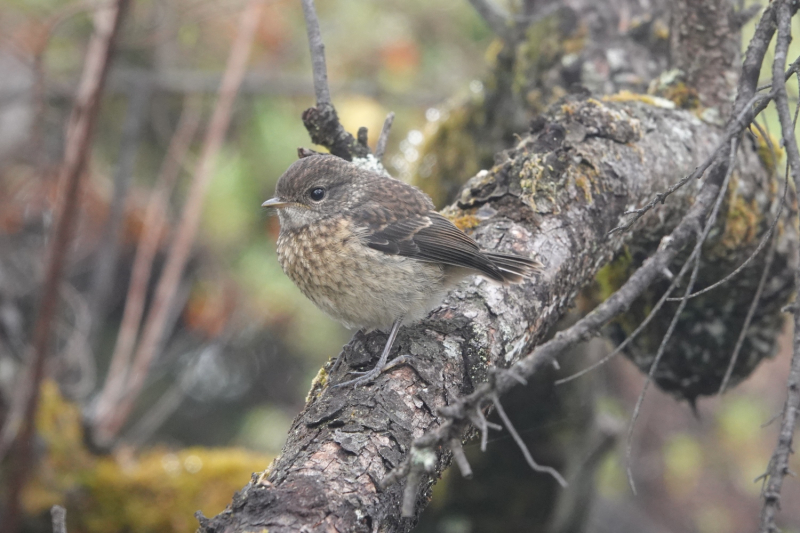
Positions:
{"x": 555, "y": 195}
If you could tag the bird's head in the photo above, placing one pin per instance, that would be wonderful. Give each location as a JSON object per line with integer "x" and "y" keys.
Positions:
{"x": 317, "y": 187}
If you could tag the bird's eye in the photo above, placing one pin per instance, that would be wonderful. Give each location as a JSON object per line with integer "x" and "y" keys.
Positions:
{"x": 316, "y": 194}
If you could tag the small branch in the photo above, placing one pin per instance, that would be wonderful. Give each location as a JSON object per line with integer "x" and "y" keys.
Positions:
{"x": 152, "y": 230}
{"x": 107, "y": 20}
{"x": 317, "y": 48}
{"x": 533, "y": 464}
{"x": 380, "y": 148}
{"x": 108, "y": 249}
{"x": 749, "y": 318}
{"x": 59, "y": 518}
{"x": 779, "y": 463}
{"x": 169, "y": 282}
{"x": 460, "y": 458}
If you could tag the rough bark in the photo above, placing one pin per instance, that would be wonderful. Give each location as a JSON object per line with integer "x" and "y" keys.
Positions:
{"x": 704, "y": 44}
{"x": 556, "y": 195}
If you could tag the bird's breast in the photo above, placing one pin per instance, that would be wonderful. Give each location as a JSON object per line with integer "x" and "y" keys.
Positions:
{"x": 354, "y": 284}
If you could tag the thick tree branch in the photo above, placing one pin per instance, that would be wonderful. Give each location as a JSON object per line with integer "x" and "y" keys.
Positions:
{"x": 345, "y": 442}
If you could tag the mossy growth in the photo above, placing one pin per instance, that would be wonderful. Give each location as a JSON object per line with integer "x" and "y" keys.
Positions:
{"x": 614, "y": 274}
{"x": 465, "y": 221}
{"x": 318, "y": 384}
{"x": 741, "y": 223}
{"x": 769, "y": 149}
{"x": 628, "y": 96}
{"x": 153, "y": 491}
{"x": 672, "y": 86}
{"x": 449, "y": 153}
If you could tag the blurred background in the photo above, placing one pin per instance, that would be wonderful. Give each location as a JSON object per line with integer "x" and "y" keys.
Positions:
{"x": 241, "y": 345}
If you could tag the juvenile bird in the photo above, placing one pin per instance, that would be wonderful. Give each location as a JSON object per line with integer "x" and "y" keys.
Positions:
{"x": 371, "y": 251}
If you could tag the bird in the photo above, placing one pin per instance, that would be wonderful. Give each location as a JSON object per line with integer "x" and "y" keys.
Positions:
{"x": 371, "y": 251}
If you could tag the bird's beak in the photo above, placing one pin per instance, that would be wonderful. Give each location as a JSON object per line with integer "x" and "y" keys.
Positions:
{"x": 275, "y": 202}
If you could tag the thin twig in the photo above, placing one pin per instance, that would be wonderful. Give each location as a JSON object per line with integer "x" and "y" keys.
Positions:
{"x": 108, "y": 249}
{"x": 749, "y": 318}
{"x": 764, "y": 239}
{"x": 107, "y": 21}
{"x": 166, "y": 290}
{"x": 696, "y": 254}
{"x": 380, "y": 148}
{"x": 59, "y": 518}
{"x": 317, "y": 48}
{"x": 523, "y": 447}
{"x": 779, "y": 463}
{"x": 460, "y": 458}
{"x": 152, "y": 229}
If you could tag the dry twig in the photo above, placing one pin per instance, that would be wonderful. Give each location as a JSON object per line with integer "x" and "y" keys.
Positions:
{"x": 779, "y": 463}
{"x": 154, "y": 329}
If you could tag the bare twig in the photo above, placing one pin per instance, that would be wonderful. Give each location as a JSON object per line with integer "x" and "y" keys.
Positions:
{"x": 108, "y": 250}
{"x": 525, "y": 452}
{"x": 764, "y": 239}
{"x": 696, "y": 255}
{"x": 749, "y": 318}
{"x": 59, "y": 518}
{"x": 317, "y": 48}
{"x": 152, "y": 228}
{"x": 779, "y": 463}
{"x": 460, "y": 458}
{"x": 76, "y": 152}
{"x": 380, "y": 148}
{"x": 154, "y": 328}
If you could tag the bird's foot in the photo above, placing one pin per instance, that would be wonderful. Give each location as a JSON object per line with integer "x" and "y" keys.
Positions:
{"x": 368, "y": 376}
{"x": 363, "y": 379}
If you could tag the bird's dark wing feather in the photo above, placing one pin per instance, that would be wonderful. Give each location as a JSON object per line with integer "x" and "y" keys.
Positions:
{"x": 431, "y": 237}
{"x": 399, "y": 219}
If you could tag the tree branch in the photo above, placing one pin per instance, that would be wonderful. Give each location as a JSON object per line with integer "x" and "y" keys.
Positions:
{"x": 779, "y": 463}
{"x": 80, "y": 128}
{"x": 166, "y": 290}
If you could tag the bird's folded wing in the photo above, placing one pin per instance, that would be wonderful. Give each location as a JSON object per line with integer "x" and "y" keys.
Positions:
{"x": 430, "y": 237}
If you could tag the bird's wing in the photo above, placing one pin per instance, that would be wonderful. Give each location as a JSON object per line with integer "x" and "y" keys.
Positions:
{"x": 430, "y": 237}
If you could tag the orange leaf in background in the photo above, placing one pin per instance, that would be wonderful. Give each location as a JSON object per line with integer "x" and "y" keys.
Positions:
{"x": 209, "y": 308}
{"x": 273, "y": 30}
{"x": 401, "y": 56}
{"x": 32, "y": 36}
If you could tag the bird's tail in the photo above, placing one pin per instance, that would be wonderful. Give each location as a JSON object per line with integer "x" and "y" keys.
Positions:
{"x": 514, "y": 268}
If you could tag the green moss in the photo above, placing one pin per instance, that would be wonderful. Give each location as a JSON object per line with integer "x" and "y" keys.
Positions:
{"x": 769, "y": 150}
{"x": 466, "y": 221}
{"x": 157, "y": 490}
{"x": 614, "y": 274}
{"x": 317, "y": 384}
{"x": 741, "y": 224}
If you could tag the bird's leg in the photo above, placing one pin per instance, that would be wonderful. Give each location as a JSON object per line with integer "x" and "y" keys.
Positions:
{"x": 340, "y": 357}
{"x": 378, "y": 368}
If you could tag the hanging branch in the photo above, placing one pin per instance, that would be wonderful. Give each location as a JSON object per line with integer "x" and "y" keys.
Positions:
{"x": 107, "y": 22}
